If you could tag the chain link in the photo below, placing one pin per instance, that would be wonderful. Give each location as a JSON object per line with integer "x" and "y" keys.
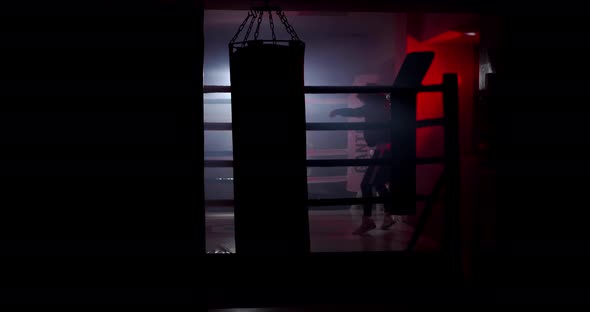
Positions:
{"x": 241, "y": 28}
{"x": 258, "y": 26}
{"x": 288, "y": 26}
{"x": 254, "y": 15}
{"x": 272, "y": 27}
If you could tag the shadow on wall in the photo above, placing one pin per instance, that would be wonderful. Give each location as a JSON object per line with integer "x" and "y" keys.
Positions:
{"x": 452, "y": 55}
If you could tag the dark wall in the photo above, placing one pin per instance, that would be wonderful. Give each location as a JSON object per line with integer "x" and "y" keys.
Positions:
{"x": 540, "y": 112}
{"x": 101, "y": 133}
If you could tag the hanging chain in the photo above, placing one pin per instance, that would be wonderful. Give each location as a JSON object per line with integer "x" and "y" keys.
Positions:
{"x": 272, "y": 27}
{"x": 288, "y": 26}
{"x": 242, "y": 27}
{"x": 254, "y": 14}
{"x": 258, "y": 26}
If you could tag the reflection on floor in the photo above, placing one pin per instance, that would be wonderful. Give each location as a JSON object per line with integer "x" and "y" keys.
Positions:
{"x": 330, "y": 232}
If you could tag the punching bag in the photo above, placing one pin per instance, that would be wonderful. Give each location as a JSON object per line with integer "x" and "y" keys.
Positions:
{"x": 269, "y": 144}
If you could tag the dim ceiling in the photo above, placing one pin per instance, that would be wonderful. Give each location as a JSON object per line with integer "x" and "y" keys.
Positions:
{"x": 331, "y": 6}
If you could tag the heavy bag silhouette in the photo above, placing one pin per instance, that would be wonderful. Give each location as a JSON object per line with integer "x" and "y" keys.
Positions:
{"x": 269, "y": 144}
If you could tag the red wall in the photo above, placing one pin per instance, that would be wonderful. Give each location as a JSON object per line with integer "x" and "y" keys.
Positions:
{"x": 454, "y": 53}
